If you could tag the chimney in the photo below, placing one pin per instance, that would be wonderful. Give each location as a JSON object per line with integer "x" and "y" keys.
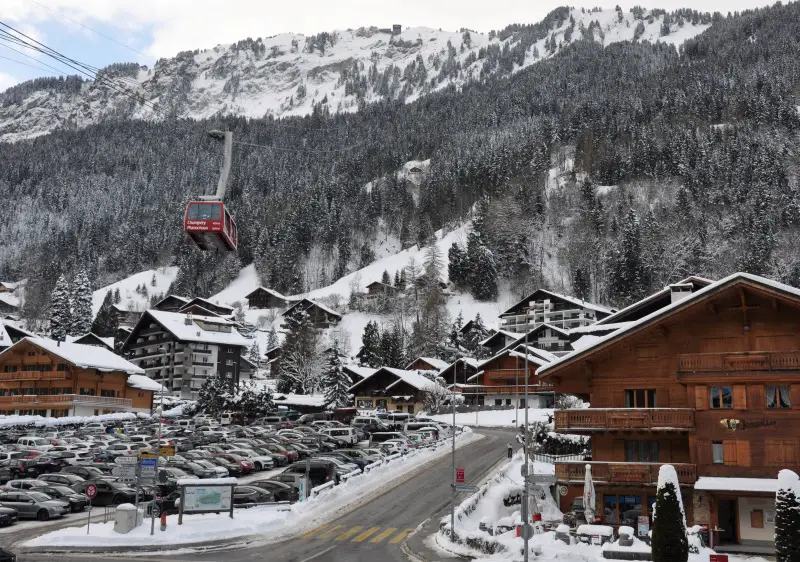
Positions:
{"x": 188, "y": 320}
{"x": 679, "y": 291}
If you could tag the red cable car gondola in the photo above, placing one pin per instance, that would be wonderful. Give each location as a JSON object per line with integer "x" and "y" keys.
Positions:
{"x": 207, "y": 222}
{"x": 210, "y": 226}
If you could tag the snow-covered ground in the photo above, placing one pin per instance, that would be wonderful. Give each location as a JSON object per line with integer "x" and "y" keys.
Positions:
{"x": 268, "y": 522}
{"x": 39, "y": 421}
{"x": 129, "y": 298}
{"x": 497, "y": 418}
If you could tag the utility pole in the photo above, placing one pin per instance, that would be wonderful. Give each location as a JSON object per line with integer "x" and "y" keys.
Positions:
{"x": 158, "y": 454}
{"x": 453, "y": 485}
{"x": 525, "y": 514}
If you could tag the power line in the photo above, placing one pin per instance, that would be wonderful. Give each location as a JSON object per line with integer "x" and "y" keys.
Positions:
{"x": 23, "y": 63}
{"x": 89, "y": 28}
{"x": 59, "y": 70}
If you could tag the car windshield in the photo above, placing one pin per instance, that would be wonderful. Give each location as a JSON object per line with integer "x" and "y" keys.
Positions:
{"x": 39, "y": 497}
{"x": 61, "y": 490}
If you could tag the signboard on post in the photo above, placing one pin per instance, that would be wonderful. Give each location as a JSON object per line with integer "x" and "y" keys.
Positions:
{"x": 207, "y": 498}
{"x": 126, "y": 460}
{"x": 125, "y": 472}
{"x": 147, "y": 468}
{"x": 465, "y": 488}
{"x": 166, "y": 451}
{"x": 643, "y": 526}
{"x": 460, "y": 476}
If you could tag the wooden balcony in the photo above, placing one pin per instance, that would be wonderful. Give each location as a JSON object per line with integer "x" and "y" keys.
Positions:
{"x": 739, "y": 362}
{"x": 622, "y": 473}
{"x": 46, "y": 401}
{"x": 34, "y": 376}
{"x": 592, "y": 420}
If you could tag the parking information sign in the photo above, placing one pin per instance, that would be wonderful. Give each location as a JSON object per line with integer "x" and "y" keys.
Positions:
{"x": 207, "y": 498}
{"x": 147, "y": 468}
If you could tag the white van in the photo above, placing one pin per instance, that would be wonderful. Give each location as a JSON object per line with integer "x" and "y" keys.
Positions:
{"x": 184, "y": 424}
{"x": 419, "y": 425}
{"x": 364, "y": 420}
{"x": 38, "y": 443}
{"x": 348, "y": 434}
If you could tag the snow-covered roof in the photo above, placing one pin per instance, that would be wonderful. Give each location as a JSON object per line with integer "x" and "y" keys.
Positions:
{"x": 572, "y": 300}
{"x": 471, "y": 361}
{"x": 175, "y": 323}
{"x": 84, "y": 356}
{"x": 300, "y": 399}
{"x": 690, "y": 299}
{"x": 505, "y": 333}
{"x": 362, "y": 372}
{"x": 412, "y": 378}
{"x": 109, "y": 342}
{"x": 143, "y": 382}
{"x": 10, "y": 299}
{"x": 5, "y": 339}
{"x": 720, "y": 484}
{"x": 516, "y": 349}
{"x": 593, "y": 328}
{"x": 9, "y": 285}
{"x": 437, "y": 364}
{"x": 208, "y": 303}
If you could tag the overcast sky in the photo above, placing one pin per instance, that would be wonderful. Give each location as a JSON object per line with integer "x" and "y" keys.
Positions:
{"x": 161, "y": 28}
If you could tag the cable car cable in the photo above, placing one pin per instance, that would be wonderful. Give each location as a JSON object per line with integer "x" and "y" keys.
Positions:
{"x": 300, "y": 150}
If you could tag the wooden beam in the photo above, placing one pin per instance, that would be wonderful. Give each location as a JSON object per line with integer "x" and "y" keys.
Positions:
{"x": 744, "y": 305}
{"x": 775, "y": 304}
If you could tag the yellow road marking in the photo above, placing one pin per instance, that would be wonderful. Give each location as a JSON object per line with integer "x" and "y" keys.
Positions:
{"x": 330, "y": 532}
{"x": 384, "y": 534}
{"x": 366, "y": 534}
{"x": 400, "y": 536}
{"x": 346, "y": 535}
{"x": 313, "y": 532}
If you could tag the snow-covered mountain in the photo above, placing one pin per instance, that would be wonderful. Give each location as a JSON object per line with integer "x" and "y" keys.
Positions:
{"x": 291, "y": 74}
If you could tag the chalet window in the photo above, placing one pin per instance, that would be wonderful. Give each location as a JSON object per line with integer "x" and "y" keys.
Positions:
{"x": 10, "y": 369}
{"x": 641, "y": 451}
{"x": 640, "y": 398}
{"x": 498, "y": 402}
{"x": 87, "y": 392}
{"x": 778, "y": 396}
{"x": 62, "y": 367}
{"x": 721, "y": 397}
{"x": 717, "y": 452}
{"x": 108, "y": 393}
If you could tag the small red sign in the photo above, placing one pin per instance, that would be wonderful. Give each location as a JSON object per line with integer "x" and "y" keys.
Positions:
{"x": 718, "y": 558}
{"x": 91, "y": 491}
{"x": 459, "y": 476}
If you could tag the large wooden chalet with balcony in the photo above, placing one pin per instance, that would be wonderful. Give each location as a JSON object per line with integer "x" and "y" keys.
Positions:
{"x": 710, "y": 383}
{"x": 547, "y": 307}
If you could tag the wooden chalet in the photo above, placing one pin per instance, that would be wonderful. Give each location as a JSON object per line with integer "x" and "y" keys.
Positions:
{"x": 123, "y": 317}
{"x": 546, "y": 307}
{"x": 358, "y": 373}
{"x": 198, "y": 310}
{"x": 40, "y": 376}
{"x": 392, "y": 389}
{"x": 11, "y": 334}
{"x": 262, "y": 297}
{"x": 709, "y": 384}
{"x": 9, "y": 303}
{"x": 171, "y": 303}
{"x": 321, "y": 316}
{"x": 219, "y": 309}
{"x": 500, "y": 380}
{"x": 499, "y": 340}
{"x": 376, "y": 289}
{"x": 7, "y": 287}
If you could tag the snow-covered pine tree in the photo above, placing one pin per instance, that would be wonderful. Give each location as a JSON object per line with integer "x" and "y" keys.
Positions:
{"x": 301, "y": 361}
{"x": 81, "y": 299}
{"x": 104, "y": 324}
{"x": 473, "y": 338}
{"x": 214, "y": 396}
{"x": 371, "y": 354}
{"x": 787, "y": 517}
{"x": 482, "y": 269}
{"x": 335, "y": 380}
{"x": 456, "y": 269}
{"x": 272, "y": 339}
{"x": 385, "y": 279}
{"x": 254, "y": 354}
{"x": 117, "y": 297}
{"x": 397, "y": 279}
{"x": 669, "y": 541}
{"x": 153, "y": 280}
{"x": 60, "y": 313}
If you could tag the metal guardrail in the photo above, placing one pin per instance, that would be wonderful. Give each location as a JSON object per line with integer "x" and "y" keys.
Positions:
{"x": 315, "y": 491}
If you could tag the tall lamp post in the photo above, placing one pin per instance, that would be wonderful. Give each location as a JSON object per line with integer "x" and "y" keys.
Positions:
{"x": 158, "y": 448}
{"x": 525, "y": 497}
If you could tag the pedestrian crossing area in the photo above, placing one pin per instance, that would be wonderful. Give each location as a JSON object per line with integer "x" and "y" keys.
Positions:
{"x": 358, "y": 534}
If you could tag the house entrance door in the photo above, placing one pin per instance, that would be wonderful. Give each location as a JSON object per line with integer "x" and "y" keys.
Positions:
{"x": 727, "y": 521}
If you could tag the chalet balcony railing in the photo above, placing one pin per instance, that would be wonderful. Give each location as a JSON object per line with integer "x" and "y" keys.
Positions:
{"x": 624, "y": 419}
{"x": 34, "y": 376}
{"x": 633, "y": 473}
{"x": 732, "y": 362}
{"x": 66, "y": 400}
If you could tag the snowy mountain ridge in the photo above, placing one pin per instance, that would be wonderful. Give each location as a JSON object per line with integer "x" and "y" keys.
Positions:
{"x": 292, "y": 74}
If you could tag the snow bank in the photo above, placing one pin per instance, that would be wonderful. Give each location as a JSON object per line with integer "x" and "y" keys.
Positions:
{"x": 266, "y": 522}
{"x": 496, "y": 418}
{"x": 39, "y": 421}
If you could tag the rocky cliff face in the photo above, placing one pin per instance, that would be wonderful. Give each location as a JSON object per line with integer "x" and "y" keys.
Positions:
{"x": 291, "y": 74}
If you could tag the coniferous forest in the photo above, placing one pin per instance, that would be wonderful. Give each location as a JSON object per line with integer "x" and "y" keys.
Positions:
{"x": 675, "y": 162}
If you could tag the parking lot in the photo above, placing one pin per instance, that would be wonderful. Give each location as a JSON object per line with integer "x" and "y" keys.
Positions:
{"x": 47, "y": 474}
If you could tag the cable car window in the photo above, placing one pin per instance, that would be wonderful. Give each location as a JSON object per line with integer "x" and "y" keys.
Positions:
{"x": 216, "y": 212}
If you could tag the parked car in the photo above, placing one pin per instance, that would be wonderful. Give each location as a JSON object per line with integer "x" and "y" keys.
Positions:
{"x": 282, "y": 491}
{"x": 8, "y": 516}
{"x": 77, "y": 502}
{"x": 251, "y": 495}
{"x": 110, "y": 492}
{"x": 25, "y": 484}
{"x": 34, "y": 505}
{"x": 320, "y": 471}
{"x": 86, "y": 472}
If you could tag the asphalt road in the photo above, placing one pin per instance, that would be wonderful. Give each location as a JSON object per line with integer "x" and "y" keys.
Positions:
{"x": 373, "y": 532}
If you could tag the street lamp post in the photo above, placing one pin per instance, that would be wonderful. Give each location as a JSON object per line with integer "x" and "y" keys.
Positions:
{"x": 525, "y": 506}
{"x": 158, "y": 449}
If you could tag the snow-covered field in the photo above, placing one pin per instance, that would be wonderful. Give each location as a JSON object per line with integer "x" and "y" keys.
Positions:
{"x": 497, "y": 418}
{"x": 268, "y": 522}
{"x": 129, "y": 298}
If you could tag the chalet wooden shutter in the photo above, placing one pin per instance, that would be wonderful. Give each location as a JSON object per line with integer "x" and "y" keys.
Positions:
{"x": 743, "y": 453}
{"x": 701, "y": 397}
{"x": 756, "y": 397}
{"x": 757, "y": 519}
{"x": 795, "y": 396}
{"x": 740, "y": 397}
{"x": 729, "y": 452}
{"x": 703, "y": 453}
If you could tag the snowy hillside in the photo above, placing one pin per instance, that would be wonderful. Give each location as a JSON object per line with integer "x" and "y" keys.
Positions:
{"x": 129, "y": 298}
{"x": 290, "y": 74}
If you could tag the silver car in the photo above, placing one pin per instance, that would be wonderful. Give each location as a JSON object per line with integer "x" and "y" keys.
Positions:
{"x": 34, "y": 505}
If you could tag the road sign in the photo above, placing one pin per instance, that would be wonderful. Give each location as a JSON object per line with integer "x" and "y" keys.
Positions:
{"x": 523, "y": 470}
{"x": 147, "y": 455}
{"x": 459, "y": 475}
{"x": 525, "y": 530}
{"x": 126, "y": 460}
{"x": 718, "y": 558}
{"x": 166, "y": 451}
{"x": 542, "y": 479}
{"x": 147, "y": 468}
{"x": 91, "y": 491}
{"x": 125, "y": 472}
{"x": 465, "y": 488}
